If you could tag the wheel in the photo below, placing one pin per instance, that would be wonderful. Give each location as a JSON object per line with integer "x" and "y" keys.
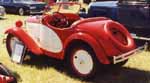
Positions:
{"x": 82, "y": 61}
{"x": 21, "y": 11}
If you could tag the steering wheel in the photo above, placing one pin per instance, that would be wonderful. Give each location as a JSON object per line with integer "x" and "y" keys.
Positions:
{"x": 60, "y": 20}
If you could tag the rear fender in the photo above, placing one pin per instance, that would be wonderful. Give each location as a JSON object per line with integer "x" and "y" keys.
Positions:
{"x": 99, "y": 51}
{"x": 26, "y": 39}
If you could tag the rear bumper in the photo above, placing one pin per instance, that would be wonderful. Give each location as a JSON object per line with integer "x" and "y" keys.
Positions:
{"x": 127, "y": 55}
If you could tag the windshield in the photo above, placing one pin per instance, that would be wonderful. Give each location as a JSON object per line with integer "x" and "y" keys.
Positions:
{"x": 65, "y": 8}
{"x": 23, "y": 0}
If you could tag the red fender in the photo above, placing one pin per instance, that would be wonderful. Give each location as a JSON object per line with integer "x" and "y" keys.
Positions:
{"x": 130, "y": 45}
{"x": 99, "y": 51}
{"x": 26, "y": 39}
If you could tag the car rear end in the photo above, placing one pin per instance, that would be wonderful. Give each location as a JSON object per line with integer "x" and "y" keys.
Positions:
{"x": 121, "y": 40}
{"x": 116, "y": 42}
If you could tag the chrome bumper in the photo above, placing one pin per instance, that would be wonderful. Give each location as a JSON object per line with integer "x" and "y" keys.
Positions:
{"x": 127, "y": 55}
{"x": 39, "y": 12}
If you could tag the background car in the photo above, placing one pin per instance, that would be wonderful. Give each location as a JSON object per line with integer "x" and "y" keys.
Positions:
{"x": 2, "y": 11}
{"x": 22, "y": 7}
{"x": 134, "y": 14}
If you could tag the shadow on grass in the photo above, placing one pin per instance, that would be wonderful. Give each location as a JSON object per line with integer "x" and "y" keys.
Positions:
{"x": 119, "y": 75}
{"x": 41, "y": 62}
{"x": 123, "y": 75}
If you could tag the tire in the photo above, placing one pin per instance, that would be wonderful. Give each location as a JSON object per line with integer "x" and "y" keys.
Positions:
{"x": 119, "y": 36}
{"x": 82, "y": 61}
{"x": 21, "y": 11}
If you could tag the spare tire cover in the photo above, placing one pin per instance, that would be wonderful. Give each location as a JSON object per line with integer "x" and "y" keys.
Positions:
{"x": 119, "y": 35}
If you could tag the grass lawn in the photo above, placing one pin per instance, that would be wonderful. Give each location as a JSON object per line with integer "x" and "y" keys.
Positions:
{"x": 137, "y": 70}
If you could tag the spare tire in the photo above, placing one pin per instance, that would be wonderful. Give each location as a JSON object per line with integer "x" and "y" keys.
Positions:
{"x": 119, "y": 35}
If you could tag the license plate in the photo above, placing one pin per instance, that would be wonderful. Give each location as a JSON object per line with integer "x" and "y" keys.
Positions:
{"x": 18, "y": 52}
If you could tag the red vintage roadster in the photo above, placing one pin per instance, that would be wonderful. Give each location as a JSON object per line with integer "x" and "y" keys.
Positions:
{"x": 83, "y": 43}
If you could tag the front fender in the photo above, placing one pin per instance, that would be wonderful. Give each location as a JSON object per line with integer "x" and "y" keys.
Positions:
{"x": 99, "y": 51}
{"x": 26, "y": 39}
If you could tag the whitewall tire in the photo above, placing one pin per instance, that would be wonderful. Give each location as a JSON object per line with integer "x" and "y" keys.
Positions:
{"x": 82, "y": 61}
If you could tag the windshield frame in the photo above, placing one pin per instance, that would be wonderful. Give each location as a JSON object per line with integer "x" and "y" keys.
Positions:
{"x": 60, "y": 4}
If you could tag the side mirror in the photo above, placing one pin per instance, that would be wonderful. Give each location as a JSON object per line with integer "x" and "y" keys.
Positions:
{"x": 82, "y": 10}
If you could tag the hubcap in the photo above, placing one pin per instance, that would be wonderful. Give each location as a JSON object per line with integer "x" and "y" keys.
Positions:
{"x": 21, "y": 11}
{"x": 83, "y": 62}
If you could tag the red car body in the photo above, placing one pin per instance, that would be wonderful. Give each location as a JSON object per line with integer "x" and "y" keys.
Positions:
{"x": 105, "y": 38}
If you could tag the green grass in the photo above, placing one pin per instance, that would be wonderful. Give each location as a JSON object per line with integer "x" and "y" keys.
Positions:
{"x": 137, "y": 70}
